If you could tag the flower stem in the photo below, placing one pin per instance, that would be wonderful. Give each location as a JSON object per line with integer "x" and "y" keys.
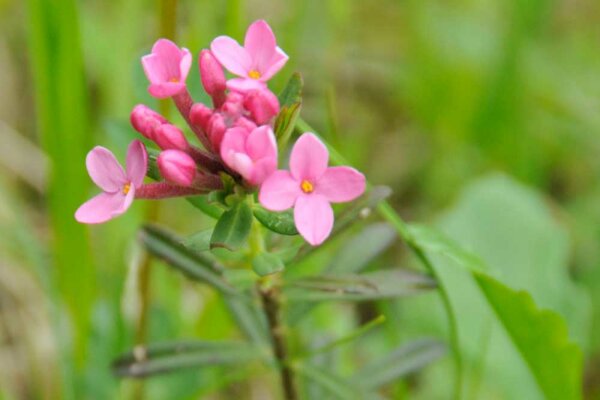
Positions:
{"x": 271, "y": 301}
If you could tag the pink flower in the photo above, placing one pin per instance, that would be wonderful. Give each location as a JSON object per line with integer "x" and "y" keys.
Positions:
{"x": 118, "y": 186}
{"x": 262, "y": 105}
{"x": 310, "y": 186}
{"x": 253, "y": 155}
{"x": 256, "y": 62}
{"x": 166, "y": 68}
{"x": 177, "y": 167}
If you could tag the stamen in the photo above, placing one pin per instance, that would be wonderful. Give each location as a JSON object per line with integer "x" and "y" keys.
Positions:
{"x": 306, "y": 186}
{"x": 126, "y": 188}
{"x": 174, "y": 80}
{"x": 254, "y": 74}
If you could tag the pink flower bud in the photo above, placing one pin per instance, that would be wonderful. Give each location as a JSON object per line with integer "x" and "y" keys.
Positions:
{"x": 262, "y": 105}
{"x": 145, "y": 120}
{"x": 216, "y": 130}
{"x": 169, "y": 136}
{"x": 211, "y": 74}
{"x": 200, "y": 115}
{"x": 252, "y": 154}
{"x": 243, "y": 122}
{"x": 177, "y": 167}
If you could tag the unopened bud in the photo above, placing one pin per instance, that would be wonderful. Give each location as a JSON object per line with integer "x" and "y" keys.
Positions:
{"x": 216, "y": 130}
{"x": 262, "y": 105}
{"x": 169, "y": 136}
{"x": 177, "y": 167}
{"x": 146, "y": 120}
{"x": 200, "y": 115}
{"x": 211, "y": 74}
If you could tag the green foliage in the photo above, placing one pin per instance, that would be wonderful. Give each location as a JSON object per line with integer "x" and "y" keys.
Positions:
{"x": 233, "y": 227}
{"x": 278, "y": 222}
{"x": 290, "y": 101}
{"x": 266, "y": 264}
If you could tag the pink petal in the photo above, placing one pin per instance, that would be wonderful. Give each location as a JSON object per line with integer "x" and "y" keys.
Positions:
{"x": 234, "y": 141}
{"x": 184, "y": 64}
{"x": 155, "y": 68}
{"x": 313, "y": 217}
{"x": 260, "y": 44}
{"x": 309, "y": 158}
{"x": 245, "y": 85}
{"x": 241, "y": 163}
{"x": 262, "y": 143}
{"x": 279, "y": 191}
{"x": 167, "y": 50}
{"x": 104, "y": 207}
{"x": 105, "y": 170}
{"x": 137, "y": 163}
{"x": 231, "y": 55}
{"x": 340, "y": 184}
{"x": 167, "y": 89}
{"x": 262, "y": 169}
{"x": 275, "y": 64}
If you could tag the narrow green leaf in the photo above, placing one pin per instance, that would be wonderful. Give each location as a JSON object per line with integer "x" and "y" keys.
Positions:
{"x": 199, "y": 242}
{"x": 278, "y": 222}
{"x": 337, "y": 386}
{"x": 355, "y": 287}
{"x": 405, "y": 360}
{"x": 292, "y": 92}
{"x": 540, "y": 336}
{"x": 430, "y": 239}
{"x": 361, "y": 208}
{"x": 356, "y": 254}
{"x": 267, "y": 264}
{"x": 173, "y": 356}
{"x": 168, "y": 247}
{"x": 233, "y": 227}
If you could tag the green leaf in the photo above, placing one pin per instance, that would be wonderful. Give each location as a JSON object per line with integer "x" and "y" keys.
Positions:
{"x": 174, "y": 356}
{"x": 356, "y": 254}
{"x": 354, "y": 287}
{"x": 337, "y": 386}
{"x": 233, "y": 227}
{"x": 361, "y": 208}
{"x": 540, "y": 336}
{"x": 267, "y": 264}
{"x": 278, "y": 222}
{"x": 168, "y": 247}
{"x": 199, "y": 242}
{"x": 430, "y": 239}
{"x": 292, "y": 92}
{"x": 405, "y": 360}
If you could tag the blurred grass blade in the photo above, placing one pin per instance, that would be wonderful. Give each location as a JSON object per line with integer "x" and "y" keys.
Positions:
{"x": 540, "y": 336}
{"x": 338, "y": 387}
{"x": 170, "y": 357}
{"x": 353, "y": 287}
{"x": 357, "y": 252}
{"x": 404, "y": 360}
{"x": 168, "y": 247}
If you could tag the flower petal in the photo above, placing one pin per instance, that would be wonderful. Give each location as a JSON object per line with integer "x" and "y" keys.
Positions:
{"x": 340, "y": 184}
{"x": 279, "y": 191}
{"x": 262, "y": 169}
{"x": 241, "y": 163}
{"x": 234, "y": 141}
{"x": 245, "y": 85}
{"x": 137, "y": 163}
{"x": 167, "y": 89}
{"x": 275, "y": 64}
{"x": 309, "y": 158}
{"x": 231, "y": 55}
{"x": 260, "y": 44}
{"x": 103, "y": 207}
{"x": 313, "y": 217}
{"x": 184, "y": 64}
{"x": 105, "y": 170}
{"x": 262, "y": 143}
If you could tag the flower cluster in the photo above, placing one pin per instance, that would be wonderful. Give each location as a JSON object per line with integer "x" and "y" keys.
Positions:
{"x": 236, "y": 134}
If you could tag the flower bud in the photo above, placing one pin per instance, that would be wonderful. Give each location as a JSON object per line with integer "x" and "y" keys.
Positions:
{"x": 177, "y": 167}
{"x": 169, "y": 136}
{"x": 262, "y": 105}
{"x": 216, "y": 130}
{"x": 211, "y": 74}
{"x": 145, "y": 120}
{"x": 200, "y": 115}
{"x": 243, "y": 122}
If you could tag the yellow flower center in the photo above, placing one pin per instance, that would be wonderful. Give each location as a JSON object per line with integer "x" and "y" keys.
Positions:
{"x": 174, "y": 80}
{"x": 126, "y": 188}
{"x": 306, "y": 186}
{"x": 254, "y": 74}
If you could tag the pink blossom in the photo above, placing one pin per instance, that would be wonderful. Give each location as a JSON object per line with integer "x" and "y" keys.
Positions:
{"x": 310, "y": 186}
{"x": 262, "y": 105}
{"x": 252, "y": 154}
{"x": 118, "y": 186}
{"x": 166, "y": 68}
{"x": 256, "y": 62}
{"x": 177, "y": 167}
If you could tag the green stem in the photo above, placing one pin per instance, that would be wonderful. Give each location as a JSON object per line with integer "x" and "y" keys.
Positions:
{"x": 388, "y": 213}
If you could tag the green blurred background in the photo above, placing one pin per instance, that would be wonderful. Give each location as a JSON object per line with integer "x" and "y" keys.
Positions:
{"x": 482, "y": 115}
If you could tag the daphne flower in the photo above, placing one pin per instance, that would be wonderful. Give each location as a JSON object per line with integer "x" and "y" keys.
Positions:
{"x": 118, "y": 186}
{"x": 253, "y": 155}
{"x": 310, "y": 186}
{"x": 256, "y": 62}
{"x": 166, "y": 68}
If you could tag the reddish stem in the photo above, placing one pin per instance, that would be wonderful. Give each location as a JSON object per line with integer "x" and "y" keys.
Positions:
{"x": 184, "y": 103}
{"x": 164, "y": 190}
